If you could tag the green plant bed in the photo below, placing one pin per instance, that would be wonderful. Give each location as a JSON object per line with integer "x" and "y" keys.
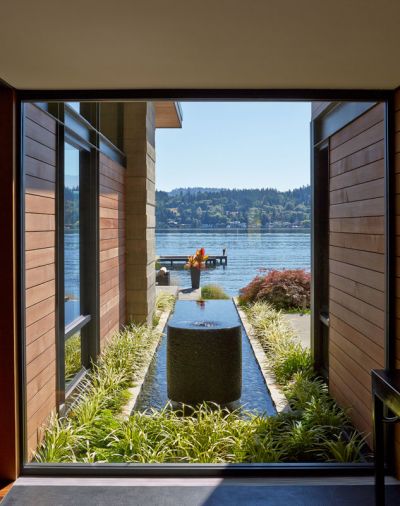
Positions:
{"x": 212, "y": 292}
{"x": 316, "y": 430}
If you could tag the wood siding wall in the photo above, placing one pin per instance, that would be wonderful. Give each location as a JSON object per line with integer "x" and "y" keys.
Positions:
{"x": 112, "y": 247}
{"x": 356, "y": 262}
{"x": 40, "y": 176}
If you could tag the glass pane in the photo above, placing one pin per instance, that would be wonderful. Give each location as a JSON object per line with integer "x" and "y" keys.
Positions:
{"x": 71, "y": 234}
{"x": 76, "y": 106}
{"x": 73, "y": 356}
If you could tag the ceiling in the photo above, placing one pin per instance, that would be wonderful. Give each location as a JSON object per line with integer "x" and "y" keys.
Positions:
{"x": 128, "y": 44}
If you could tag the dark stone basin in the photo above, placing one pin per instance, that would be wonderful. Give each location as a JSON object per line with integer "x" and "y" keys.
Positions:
{"x": 204, "y": 353}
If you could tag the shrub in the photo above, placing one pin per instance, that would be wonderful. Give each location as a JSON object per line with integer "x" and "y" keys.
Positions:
{"x": 213, "y": 292}
{"x": 286, "y": 289}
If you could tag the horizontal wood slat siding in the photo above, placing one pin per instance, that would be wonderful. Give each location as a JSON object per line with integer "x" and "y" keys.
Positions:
{"x": 112, "y": 247}
{"x": 357, "y": 262}
{"x": 40, "y": 176}
{"x": 397, "y": 248}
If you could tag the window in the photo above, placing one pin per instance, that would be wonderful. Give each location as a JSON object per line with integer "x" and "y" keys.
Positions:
{"x": 77, "y": 229}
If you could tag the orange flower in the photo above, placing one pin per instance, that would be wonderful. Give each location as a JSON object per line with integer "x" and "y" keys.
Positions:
{"x": 197, "y": 260}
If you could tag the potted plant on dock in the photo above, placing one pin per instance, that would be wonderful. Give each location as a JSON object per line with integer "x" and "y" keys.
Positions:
{"x": 196, "y": 263}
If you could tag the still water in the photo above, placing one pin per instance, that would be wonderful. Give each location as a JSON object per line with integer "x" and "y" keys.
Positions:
{"x": 247, "y": 253}
{"x": 255, "y": 395}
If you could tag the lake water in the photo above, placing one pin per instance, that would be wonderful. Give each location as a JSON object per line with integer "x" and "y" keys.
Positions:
{"x": 247, "y": 253}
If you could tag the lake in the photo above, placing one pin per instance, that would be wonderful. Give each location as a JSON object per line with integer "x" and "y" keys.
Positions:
{"x": 247, "y": 253}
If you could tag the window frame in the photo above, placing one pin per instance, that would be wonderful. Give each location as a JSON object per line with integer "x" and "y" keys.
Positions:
{"x": 241, "y": 470}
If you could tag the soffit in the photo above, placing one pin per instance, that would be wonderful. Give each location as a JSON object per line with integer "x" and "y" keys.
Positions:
{"x": 125, "y": 44}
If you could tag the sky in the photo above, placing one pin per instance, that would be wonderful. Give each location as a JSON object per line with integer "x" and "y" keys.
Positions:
{"x": 236, "y": 145}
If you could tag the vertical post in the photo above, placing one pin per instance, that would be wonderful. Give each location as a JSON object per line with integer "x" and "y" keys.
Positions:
{"x": 139, "y": 147}
{"x": 379, "y": 451}
{"x": 390, "y": 265}
{"x": 9, "y": 462}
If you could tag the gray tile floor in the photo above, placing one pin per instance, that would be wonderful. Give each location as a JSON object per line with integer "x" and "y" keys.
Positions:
{"x": 196, "y": 492}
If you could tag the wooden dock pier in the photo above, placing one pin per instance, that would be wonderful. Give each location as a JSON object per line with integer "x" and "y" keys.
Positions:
{"x": 211, "y": 260}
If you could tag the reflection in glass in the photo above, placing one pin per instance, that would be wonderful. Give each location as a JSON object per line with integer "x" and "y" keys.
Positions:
{"x": 73, "y": 356}
{"x": 71, "y": 234}
{"x": 76, "y": 106}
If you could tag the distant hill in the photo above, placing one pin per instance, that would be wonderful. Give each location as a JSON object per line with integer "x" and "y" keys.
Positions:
{"x": 204, "y": 208}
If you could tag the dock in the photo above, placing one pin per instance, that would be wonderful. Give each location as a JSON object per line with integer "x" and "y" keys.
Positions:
{"x": 211, "y": 260}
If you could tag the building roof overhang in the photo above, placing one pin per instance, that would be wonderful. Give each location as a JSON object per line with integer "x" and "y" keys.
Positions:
{"x": 168, "y": 114}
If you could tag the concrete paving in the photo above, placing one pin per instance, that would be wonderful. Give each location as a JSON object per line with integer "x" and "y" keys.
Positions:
{"x": 189, "y": 294}
{"x": 301, "y": 324}
{"x": 173, "y": 290}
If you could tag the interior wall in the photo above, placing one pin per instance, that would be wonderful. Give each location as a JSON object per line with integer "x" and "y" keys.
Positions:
{"x": 40, "y": 143}
{"x": 9, "y": 433}
{"x": 357, "y": 262}
{"x": 112, "y": 247}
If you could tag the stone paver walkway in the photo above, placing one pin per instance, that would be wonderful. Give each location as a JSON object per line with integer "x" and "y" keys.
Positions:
{"x": 301, "y": 324}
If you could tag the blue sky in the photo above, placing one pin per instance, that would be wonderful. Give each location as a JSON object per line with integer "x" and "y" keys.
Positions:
{"x": 236, "y": 145}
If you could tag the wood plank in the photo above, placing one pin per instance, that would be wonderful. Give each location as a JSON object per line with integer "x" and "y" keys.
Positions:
{"x": 370, "y": 172}
{"x": 39, "y": 382}
{"x": 107, "y": 203}
{"x": 41, "y": 292}
{"x": 368, "y": 329}
{"x": 362, "y": 208}
{"x": 362, "y": 292}
{"x": 367, "y": 277}
{"x": 357, "y": 380}
{"x": 359, "y": 125}
{"x": 40, "y": 187}
{"x": 112, "y": 233}
{"x": 362, "y": 191}
{"x": 370, "y": 313}
{"x": 365, "y": 259}
{"x": 364, "y": 157}
{"x": 39, "y": 169}
{"x": 39, "y": 205}
{"x": 41, "y": 415}
{"x": 116, "y": 173}
{"x": 360, "y": 225}
{"x": 374, "y": 243}
{"x": 113, "y": 262}
{"x": 40, "y": 397}
{"x": 40, "y": 310}
{"x": 106, "y": 244}
{"x": 39, "y": 240}
{"x": 109, "y": 183}
{"x": 40, "y": 134}
{"x": 39, "y": 275}
{"x": 35, "y": 114}
{"x": 359, "y": 142}
{"x": 39, "y": 222}
{"x": 109, "y": 253}
{"x": 355, "y": 407}
{"x": 38, "y": 257}
{"x": 40, "y": 152}
{"x": 39, "y": 328}
{"x": 40, "y": 350}
{"x": 363, "y": 361}
{"x": 116, "y": 214}
{"x": 42, "y": 360}
{"x": 373, "y": 350}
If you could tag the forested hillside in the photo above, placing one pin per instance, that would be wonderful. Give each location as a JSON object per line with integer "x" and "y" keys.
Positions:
{"x": 223, "y": 208}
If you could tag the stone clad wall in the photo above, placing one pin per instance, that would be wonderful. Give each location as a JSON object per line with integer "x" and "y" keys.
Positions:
{"x": 139, "y": 147}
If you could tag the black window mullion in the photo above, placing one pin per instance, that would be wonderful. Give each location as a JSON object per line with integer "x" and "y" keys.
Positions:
{"x": 60, "y": 327}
